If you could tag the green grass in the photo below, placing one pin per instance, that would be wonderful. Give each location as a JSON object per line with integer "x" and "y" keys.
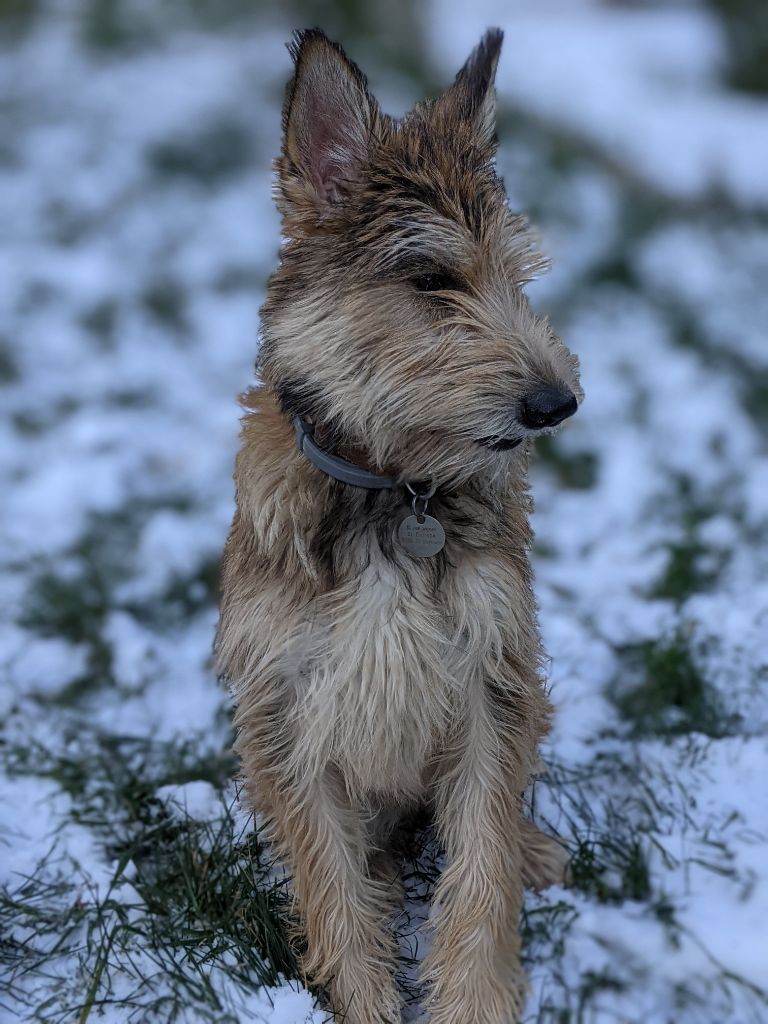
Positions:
{"x": 17, "y": 16}
{"x": 101, "y": 321}
{"x": 392, "y": 36}
{"x": 746, "y": 30}
{"x": 610, "y": 869}
{"x": 574, "y": 470}
{"x": 187, "y": 899}
{"x": 165, "y": 300}
{"x": 755, "y": 394}
{"x": 9, "y": 372}
{"x": 35, "y": 424}
{"x": 74, "y": 609}
{"x": 692, "y": 565}
{"x": 201, "y": 901}
{"x": 611, "y": 809}
{"x": 107, "y": 25}
{"x": 684, "y": 575}
{"x": 74, "y": 604}
{"x": 670, "y": 695}
{"x": 217, "y": 150}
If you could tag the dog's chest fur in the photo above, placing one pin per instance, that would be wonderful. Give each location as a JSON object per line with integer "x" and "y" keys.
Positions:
{"x": 391, "y": 663}
{"x": 371, "y": 655}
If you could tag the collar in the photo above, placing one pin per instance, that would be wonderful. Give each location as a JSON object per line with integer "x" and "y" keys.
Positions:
{"x": 334, "y": 465}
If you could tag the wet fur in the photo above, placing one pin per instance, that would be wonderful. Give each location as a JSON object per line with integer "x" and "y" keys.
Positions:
{"x": 368, "y": 682}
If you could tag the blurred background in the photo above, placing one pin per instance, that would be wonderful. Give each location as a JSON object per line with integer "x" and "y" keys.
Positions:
{"x": 136, "y": 235}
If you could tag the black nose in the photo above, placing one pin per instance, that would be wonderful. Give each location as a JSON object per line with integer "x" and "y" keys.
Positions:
{"x": 547, "y": 407}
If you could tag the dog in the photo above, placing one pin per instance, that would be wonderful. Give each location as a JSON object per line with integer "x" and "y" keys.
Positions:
{"x": 377, "y": 618}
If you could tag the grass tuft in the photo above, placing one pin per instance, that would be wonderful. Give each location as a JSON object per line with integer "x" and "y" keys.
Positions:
{"x": 574, "y": 470}
{"x": 101, "y": 321}
{"x": 216, "y": 151}
{"x": 610, "y": 869}
{"x": 165, "y": 299}
{"x": 746, "y": 29}
{"x": 194, "y": 912}
{"x": 672, "y": 697}
{"x": 9, "y": 371}
{"x": 684, "y": 574}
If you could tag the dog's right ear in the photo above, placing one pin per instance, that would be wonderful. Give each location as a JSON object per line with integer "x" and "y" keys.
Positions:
{"x": 327, "y": 121}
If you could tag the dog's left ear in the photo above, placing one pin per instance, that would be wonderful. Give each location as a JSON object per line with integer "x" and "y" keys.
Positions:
{"x": 472, "y": 97}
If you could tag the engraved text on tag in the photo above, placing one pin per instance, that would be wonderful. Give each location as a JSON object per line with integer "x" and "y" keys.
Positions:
{"x": 421, "y": 536}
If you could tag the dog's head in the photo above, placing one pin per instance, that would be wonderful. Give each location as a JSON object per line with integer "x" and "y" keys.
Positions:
{"x": 397, "y": 318}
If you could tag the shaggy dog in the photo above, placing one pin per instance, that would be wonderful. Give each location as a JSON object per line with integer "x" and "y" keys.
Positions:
{"x": 378, "y": 625}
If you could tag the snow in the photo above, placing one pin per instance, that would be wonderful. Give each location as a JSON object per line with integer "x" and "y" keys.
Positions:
{"x": 285, "y": 1005}
{"x": 640, "y": 83}
{"x": 39, "y": 665}
{"x": 130, "y": 321}
{"x": 196, "y": 799}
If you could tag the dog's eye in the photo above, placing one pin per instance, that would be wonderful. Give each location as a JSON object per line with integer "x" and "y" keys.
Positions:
{"x": 435, "y": 282}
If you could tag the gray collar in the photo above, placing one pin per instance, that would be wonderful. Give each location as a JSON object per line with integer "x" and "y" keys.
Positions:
{"x": 334, "y": 465}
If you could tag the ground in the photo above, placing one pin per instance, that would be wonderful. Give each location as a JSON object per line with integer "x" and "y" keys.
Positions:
{"x": 138, "y": 232}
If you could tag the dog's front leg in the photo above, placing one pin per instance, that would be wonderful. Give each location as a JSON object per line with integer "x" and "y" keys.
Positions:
{"x": 345, "y": 912}
{"x": 473, "y": 968}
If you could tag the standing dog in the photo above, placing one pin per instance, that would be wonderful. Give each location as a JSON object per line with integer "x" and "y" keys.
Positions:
{"x": 378, "y": 624}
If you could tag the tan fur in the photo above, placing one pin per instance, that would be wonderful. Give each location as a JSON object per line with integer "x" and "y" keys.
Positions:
{"x": 367, "y": 681}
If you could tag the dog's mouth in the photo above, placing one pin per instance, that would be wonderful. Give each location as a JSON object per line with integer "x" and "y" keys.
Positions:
{"x": 500, "y": 444}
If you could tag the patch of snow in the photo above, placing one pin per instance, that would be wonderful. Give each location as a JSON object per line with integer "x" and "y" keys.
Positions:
{"x": 641, "y": 83}
{"x": 41, "y": 666}
{"x": 197, "y": 799}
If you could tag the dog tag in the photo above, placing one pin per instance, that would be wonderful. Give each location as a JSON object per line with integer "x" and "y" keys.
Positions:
{"x": 421, "y": 536}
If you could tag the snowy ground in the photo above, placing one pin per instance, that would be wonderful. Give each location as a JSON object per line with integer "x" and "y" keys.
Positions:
{"x": 138, "y": 231}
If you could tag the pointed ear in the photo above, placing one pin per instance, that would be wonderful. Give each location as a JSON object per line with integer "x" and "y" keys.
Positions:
{"x": 472, "y": 97}
{"x": 327, "y": 121}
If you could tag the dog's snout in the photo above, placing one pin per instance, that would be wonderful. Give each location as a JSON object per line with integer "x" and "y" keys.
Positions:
{"x": 547, "y": 406}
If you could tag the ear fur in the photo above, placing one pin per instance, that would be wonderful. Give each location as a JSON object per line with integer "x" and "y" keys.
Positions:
{"x": 472, "y": 97}
{"x": 328, "y": 117}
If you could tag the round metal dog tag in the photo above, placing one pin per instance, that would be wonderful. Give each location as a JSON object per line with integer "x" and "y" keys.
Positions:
{"x": 421, "y": 536}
